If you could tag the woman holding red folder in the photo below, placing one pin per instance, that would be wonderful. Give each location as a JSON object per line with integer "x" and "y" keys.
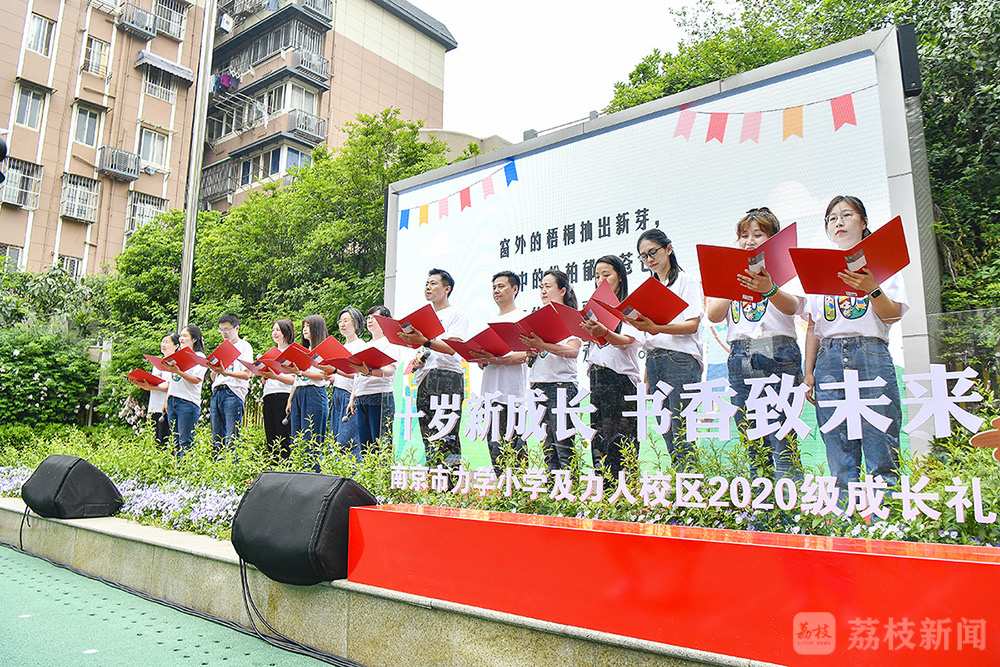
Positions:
{"x": 849, "y": 333}
{"x": 762, "y": 342}
{"x": 553, "y": 367}
{"x": 308, "y": 404}
{"x": 371, "y": 398}
{"x": 184, "y": 392}
{"x": 343, "y": 422}
{"x": 673, "y": 351}
{"x": 614, "y": 374}
{"x": 277, "y": 388}
{"x": 157, "y": 406}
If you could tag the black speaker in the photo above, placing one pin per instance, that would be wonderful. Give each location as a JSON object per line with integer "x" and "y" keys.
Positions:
{"x": 909, "y": 62}
{"x": 292, "y": 526}
{"x": 68, "y": 487}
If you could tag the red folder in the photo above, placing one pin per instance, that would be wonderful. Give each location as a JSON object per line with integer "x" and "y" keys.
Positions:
{"x": 370, "y": 356}
{"x": 424, "y": 320}
{"x": 605, "y": 294}
{"x": 267, "y": 360}
{"x": 297, "y": 356}
{"x": 185, "y": 358}
{"x": 224, "y": 355}
{"x": 486, "y": 341}
{"x": 720, "y": 266}
{"x": 330, "y": 349}
{"x": 510, "y": 333}
{"x": 651, "y": 299}
{"x": 548, "y": 324}
{"x": 139, "y": 375}
{"x": 254, "y": 368}
{"x": 883, "y": 252}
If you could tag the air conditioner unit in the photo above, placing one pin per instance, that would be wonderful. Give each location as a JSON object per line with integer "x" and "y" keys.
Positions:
{"x": 226, "y": 23}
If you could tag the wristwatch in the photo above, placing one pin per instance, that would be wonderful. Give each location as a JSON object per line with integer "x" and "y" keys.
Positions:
{"x": 875, "y": 293}
{"x": 427, "y": 343}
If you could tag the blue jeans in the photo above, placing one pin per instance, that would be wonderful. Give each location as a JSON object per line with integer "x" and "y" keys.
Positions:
{"x": 676, "y": 369}
{"x": 558, "y": 453}
{"x": 226, "y": 414}
{"x": 182, "y": 416}
{"x": 871, "y": 358}
{"x": 345, "y": 433}
{"x": 375, "y": 414}
{"x": 310, "y": 409}
{"x": 760, "y": 358}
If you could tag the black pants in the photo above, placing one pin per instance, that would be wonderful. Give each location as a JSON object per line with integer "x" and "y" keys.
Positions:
{"x": 558, "y": 453}
{"x": 444, "y": 384}
{"x": 277, "y": 436}
{"x": 162, "y": 426}
{"x": 608, "y": 390}
{"x": 516, "y": 443}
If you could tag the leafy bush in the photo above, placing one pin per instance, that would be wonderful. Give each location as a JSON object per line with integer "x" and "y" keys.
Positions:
{"x": 45, "y": 376}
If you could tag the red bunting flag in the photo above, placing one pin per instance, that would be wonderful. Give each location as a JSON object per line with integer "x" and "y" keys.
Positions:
{"x": 751, "y": 127}
{"x": 843, "y": 111}
{"x": 717, "y": 127}
{"x": 684, "y": 124}
{"x": 487, "y": 186}
{"x": 443, "y": 208}
{"x": 465, "y": 196}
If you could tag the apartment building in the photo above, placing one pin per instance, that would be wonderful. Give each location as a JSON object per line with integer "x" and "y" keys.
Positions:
{"x": 287, "y": 74}
{"x": 99, "y": 98}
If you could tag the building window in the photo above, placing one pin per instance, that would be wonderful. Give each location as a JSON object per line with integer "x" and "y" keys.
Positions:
{"x": 159, "y": 84}
{"x": 10, "y": 257}
{"x": 142, "y": 208}
{"x": 153, "y": 148}
{"x": 87, "y": 123}
{"x": 71, "y": 264}
{"x": 260, "y": 166}
{"x": 304, "y": 100}
{"x": 170, "y": 16}
{"x": 296, "y": 158}
{"x": 275, "y": 99}
{"x": 95, "y": 58}
{"x": 79, "y": 197}
{"x": 29, "y": 107}
{"x": 40, "y": 34}
{"x": 24, "y": 182}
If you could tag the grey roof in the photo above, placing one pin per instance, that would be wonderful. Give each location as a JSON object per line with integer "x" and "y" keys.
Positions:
{"x": 421, "y": 20}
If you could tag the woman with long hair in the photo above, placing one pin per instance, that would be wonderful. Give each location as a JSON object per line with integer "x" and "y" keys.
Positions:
{"x": 184, "y": 392}
{"x": 157, "y": 406}
{"x": 277, "y": 387}
{"x": 308, "y": 404}
{"x": 851, "y": 334}
{"x": 553, "y": 368}
{"x": 673, "y": 351}
{"x": 371, "y": 398}
{"x": 761, "y": 338}
{"x": 614, "y": 374}
{"x": 343, "y": 423}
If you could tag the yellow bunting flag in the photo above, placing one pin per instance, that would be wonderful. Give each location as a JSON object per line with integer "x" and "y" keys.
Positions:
{"x": 423, "y": 214}
{"x": 792, "y": 122}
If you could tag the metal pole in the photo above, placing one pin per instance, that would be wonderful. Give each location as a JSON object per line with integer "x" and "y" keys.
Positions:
{"x": 193, "y": 189}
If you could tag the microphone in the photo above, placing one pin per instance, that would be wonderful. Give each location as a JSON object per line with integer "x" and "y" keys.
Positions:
{"x": 284, "y": 422}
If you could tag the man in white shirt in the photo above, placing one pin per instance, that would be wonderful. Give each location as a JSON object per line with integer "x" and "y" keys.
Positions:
{"x": 229, "y": 386}
{"x": 506, "y": 375}
{"x": 440, "y": 372}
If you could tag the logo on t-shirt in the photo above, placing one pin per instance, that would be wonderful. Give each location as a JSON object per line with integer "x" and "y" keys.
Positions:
{"x": 175, "y": 377}
{"x": 754, "y": 312}
{"x": 849, "y": 306}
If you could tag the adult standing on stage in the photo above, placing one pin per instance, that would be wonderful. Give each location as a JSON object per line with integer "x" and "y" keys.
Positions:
{"x": 157, "y": 406}
{"x": 229, "y": 386}
{"x": 184, "y": 392}
{"x": 439, "y": 370}
{"x": 309, "y": 405}
{"x": 673, "y": 351}
{"x": 343, "y": 423}
{"x": 371, "y": 398}
{"x": 277, "y": 388}
{"x": 852, "y": 333}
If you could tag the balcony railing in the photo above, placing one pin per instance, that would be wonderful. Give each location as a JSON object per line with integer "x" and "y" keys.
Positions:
{"x": 307, "y": 124}
{"x": 311, "y": 63}
{"x": 136, "y": 20}
{"x": 119, "y": 164}
{"x": 322, "y": 7}
{"x": 217, "y": 182}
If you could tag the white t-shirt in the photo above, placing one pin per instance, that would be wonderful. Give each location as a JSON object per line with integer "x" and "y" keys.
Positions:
{"x": 188, "y": 391}
{"x": 549, "y": 367}
{"x": 456, "y": 325}
{"x": 507, "y": 380}
{"x": 751, "y": 321}
{"x": 688, "y": 289}
{"x": 339, "y": 381}
{"x": 848, "y": 316}
{"x": 238, "y": 385}
{"x": 366, "y": 385}
{"x": 622, "y": 360}
{"x": 158, "y": 399}
{"x": 275, "y": 387}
